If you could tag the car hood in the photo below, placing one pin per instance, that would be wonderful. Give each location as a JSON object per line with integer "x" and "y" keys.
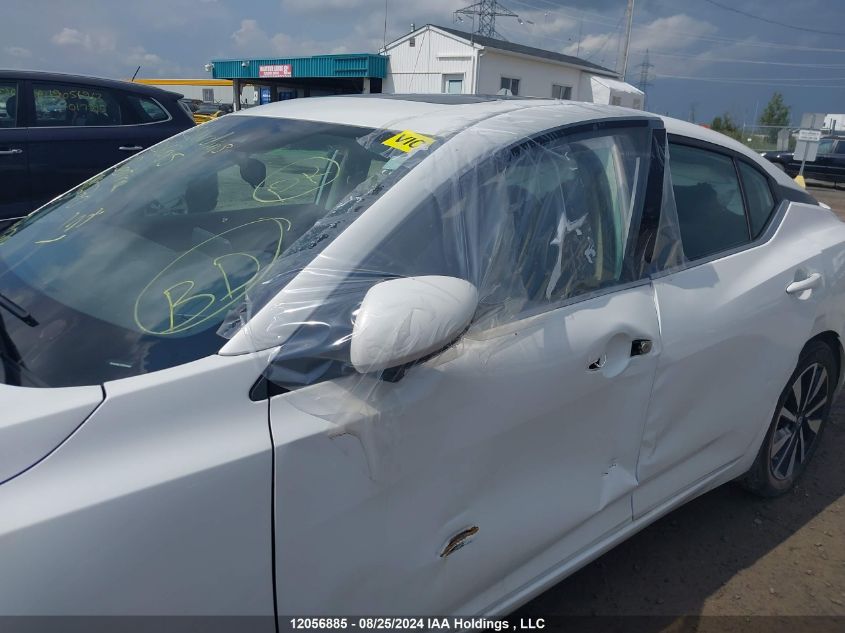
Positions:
{"x": 35, "y": 421}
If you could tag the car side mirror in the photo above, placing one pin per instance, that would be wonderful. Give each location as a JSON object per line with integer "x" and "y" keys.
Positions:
{"x": 404, "y": 320}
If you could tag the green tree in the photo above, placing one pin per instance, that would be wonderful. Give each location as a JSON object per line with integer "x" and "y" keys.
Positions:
{"x": 776, "y": 112}
{"x": 725, "y": 124}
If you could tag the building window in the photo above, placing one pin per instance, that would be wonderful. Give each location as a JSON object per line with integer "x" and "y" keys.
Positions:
{"x": 208, "y": 95}
{"x": 412, "y": 42}
{"x": 509, "y": 83}
{"x": 617, "y": 101}
{"x": 453, "y": 84}
{"x": 638, "y": 104}
{"x": 561, "y": 92}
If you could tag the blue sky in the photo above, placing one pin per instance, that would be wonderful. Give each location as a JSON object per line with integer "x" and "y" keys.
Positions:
{"x": 707, "y": 59}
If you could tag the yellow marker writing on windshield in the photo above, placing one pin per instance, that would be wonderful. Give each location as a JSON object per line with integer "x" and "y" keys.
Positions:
{"x": 407, "y": 141}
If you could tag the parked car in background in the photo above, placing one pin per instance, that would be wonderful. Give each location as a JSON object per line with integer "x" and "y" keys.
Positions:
{"x": 58, "y": 130}
{"x": 208, "y": 111}
{"x": 828, "y": 166}
{"x": 399, "y": 355}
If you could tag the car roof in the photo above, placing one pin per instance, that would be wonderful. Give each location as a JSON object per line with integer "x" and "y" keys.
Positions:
{"x": 40, "y": 75}
{"x": 440, "y": 114}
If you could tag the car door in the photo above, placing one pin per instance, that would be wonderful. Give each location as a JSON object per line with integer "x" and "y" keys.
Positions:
{"x": 451, "y": 486}
{"x": 78, "y": 131}
{"x": 14, "y": 183}
{"x": 821, "y": 167}
{"x": 731, "y": 331}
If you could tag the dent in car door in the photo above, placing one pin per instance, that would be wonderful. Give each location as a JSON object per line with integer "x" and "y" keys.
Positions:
{"x": 731, "y": 337}
{"x": 513, "y": 435}
{"x": 14, "y": 181}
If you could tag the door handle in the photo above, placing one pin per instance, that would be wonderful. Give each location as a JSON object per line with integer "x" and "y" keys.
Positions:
{"x": 9, "y": 152}
{"x": 797, "y": 287}
{"x": 130, "y": 148}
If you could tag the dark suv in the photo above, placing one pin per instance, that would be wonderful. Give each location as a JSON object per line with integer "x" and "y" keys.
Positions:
{"x": 829, "y": 164}
{"x": 57, "y": 130}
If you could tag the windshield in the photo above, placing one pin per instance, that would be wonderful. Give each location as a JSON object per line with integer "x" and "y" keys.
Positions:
{"x": 137, "y": 269}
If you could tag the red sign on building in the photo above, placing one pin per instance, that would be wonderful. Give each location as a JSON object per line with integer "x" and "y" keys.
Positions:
{"x": 276, "y": 70}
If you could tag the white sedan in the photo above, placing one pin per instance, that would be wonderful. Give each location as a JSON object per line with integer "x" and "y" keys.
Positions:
{"x": 399, "y": 355}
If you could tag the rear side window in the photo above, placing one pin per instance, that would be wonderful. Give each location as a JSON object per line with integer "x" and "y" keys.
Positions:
{"x": 8, "y": 104}
{"x": 840, "y": 147}
{"x": 74, "y": 105}
{"x": 708, "y": 197}
{"x": 758, "y": 197}
{"x": 146, "y": 109}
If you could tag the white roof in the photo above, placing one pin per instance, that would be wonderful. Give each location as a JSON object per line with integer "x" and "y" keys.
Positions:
{"x": 616, "y": 85}
{"x": 438, "y": 117}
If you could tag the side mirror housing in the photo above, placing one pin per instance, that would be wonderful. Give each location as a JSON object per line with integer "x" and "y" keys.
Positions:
{"x": 403, "y": 320}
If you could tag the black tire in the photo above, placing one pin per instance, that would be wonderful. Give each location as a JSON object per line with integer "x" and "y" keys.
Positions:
{"x": 797, "y": 426}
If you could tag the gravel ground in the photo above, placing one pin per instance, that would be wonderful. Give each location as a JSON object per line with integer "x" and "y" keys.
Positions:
{"x": 727, "y": 553}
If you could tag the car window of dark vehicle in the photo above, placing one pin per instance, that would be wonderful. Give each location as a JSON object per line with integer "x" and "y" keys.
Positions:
{"x": 840, "y": 147}
{"x": 758, "y": 197}
{"x": 708, "y": 199}
{"x": 146, "y": 109}
{"x": 8, "y": 104}
{"x": 826, "y": 146}
{"x": 74, "y": 105}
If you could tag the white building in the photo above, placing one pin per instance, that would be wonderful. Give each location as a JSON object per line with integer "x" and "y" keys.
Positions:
{"x": 438, "y": 59}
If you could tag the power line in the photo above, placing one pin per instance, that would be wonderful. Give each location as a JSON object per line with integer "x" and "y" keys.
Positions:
{"x": 769, "y": 21}
{"x": 733, "y": 60}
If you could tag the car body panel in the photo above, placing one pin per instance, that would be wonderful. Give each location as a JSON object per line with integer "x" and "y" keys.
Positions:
{"x": 152, "y": 507}
{"x": 32, "y": 425}
{"x": 451, "y": 447}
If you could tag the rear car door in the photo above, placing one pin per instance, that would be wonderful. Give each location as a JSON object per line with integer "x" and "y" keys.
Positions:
{"x": 14, "y": 183}
{"x": 731, "y": 332}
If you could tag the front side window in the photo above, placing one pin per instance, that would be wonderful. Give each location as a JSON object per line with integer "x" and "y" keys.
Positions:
{"x": 840, "y": 147}
{"x": 139, "y": 268}
{"x": 74, "y": 105}
{"x": 758, "y": 197}
{"x": 708, "y": 198}
{"x": 509, "y": 83}
{"x": 8, "y": 104}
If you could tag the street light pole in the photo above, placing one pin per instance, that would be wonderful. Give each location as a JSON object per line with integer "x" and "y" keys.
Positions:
{"x": 629, "y": 19}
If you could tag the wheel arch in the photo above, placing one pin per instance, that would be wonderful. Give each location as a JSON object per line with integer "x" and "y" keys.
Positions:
{"x": 832, "y": 340}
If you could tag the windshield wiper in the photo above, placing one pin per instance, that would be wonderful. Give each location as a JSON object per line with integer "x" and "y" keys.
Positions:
{"x": 17, "y": 310}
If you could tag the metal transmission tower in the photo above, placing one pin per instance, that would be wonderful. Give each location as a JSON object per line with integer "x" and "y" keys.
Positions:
{"x": 645, "y": 77}
{"x": 487, "y": 12}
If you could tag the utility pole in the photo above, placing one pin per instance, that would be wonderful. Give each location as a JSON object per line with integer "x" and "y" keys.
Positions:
{"x": 487, "y": 11}
{"x": 645, "y": 77}
{"x": 629, "y": 21}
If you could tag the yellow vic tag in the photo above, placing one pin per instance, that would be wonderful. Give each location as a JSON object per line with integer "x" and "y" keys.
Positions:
{"x": 407, "y": 141}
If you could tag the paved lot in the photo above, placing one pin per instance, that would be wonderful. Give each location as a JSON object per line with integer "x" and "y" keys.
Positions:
{"x": 728, "y": 553}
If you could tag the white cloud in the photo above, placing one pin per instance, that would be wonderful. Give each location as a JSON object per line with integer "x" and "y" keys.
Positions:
{"x": 96, "y": 42}
{"x": 18, "y": 51}
{"x": 250, "y": 39}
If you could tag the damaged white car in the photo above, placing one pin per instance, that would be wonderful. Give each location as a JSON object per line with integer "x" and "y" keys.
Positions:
{"x": 385, "y": 355}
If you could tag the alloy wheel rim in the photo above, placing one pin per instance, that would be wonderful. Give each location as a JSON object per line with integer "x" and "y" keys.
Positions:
{"x": 799, "y": 421}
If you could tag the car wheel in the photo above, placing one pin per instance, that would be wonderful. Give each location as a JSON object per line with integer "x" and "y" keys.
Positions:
{"x": 797, "y": 426}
